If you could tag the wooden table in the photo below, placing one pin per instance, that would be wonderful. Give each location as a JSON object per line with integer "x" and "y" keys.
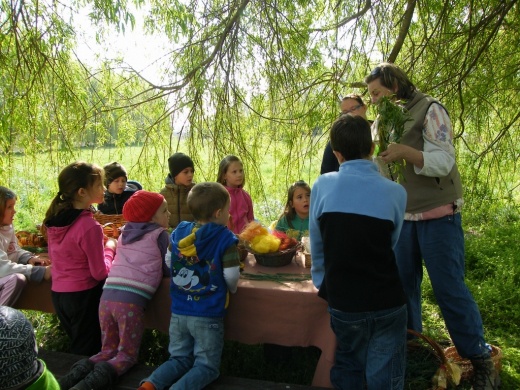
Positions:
{"x": 288, "y": 313}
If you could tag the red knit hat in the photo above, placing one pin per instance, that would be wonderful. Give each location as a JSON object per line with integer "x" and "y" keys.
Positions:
{"x": 142, "y": 206}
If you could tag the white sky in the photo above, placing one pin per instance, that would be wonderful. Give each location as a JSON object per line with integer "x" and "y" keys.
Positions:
{"x": 142, "y": 52}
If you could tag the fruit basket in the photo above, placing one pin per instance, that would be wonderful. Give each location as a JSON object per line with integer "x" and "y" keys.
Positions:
{"x": 28, "y": 239}
{"x": 111, "y": 223}
{"x": 275, "y": 259}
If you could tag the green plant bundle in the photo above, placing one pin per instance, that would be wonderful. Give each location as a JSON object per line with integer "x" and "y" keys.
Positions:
{"x": 278, "y": 277}
{"x": 390, "y": 122}
{"x": 391, "y": 119}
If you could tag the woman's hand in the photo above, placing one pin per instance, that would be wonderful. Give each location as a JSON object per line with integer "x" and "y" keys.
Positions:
{"x": 399, "y": 152}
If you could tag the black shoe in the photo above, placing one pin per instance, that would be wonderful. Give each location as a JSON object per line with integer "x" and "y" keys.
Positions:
{"x": 102, "y": 377}
{"x": 485, "y": 376}
{"x": 77, "y": 372}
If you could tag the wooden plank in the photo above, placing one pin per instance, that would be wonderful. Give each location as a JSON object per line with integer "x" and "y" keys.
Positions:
{"x": 59, "y": 364}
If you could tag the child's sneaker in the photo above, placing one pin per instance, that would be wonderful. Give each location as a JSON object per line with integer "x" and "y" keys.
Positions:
{"x": 146, "y": 386}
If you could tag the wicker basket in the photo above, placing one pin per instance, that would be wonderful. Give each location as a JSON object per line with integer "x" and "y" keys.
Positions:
{"x": 275, "y": 259}
{"x": 112, "y": 223}
{"x": 465, "y": 364}
{"x": 450, "y": 355}
{"x": 28, "y": 239}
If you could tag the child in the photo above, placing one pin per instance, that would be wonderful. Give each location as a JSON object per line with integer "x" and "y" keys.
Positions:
{"x": 179, "y": 182}
{"x": 119, "y": 189}
{"x": 205, "y": 268}
{"x": 136, "y": 272}
{"x": 80, "y": 260}
{"x": 356, "y": 216}
{"x": 16, "y": 265}
{"x": 295, "y": 220}
{"x": 231, "y": 175}
{"x": 21, "y": 368}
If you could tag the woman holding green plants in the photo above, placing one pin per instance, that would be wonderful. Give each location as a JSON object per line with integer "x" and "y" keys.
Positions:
{"x": 432, "y": 229}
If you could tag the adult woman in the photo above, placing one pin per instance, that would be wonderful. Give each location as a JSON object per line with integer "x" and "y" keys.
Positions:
{"x": 432, "y": 229}
{"x": 350, "y": 104}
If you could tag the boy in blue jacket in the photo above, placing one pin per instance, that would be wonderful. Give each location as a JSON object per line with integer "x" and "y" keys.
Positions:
{"x": 204, "y": 269}
{"x": 355, "y": 219}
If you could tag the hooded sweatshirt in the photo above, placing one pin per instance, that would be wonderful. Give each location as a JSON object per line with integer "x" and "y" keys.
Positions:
{"x": 79, "y": 259}
{"x": 138, "y": 267}
{"x": 198, "y": 287}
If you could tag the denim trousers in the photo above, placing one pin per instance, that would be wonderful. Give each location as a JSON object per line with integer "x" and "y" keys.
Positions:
{"x": 195, "y": 348}
{"x": 440, "y": 243}
{"x": 371, "y": 349}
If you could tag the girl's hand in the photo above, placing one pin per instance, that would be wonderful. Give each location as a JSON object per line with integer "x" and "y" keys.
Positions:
{"x": 39, "y": 261}
{"x": 111, "y": 243}
{"x": 47, "y": 275}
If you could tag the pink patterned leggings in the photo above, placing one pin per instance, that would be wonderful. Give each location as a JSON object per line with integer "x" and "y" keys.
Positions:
{"x": 122, "y": 327}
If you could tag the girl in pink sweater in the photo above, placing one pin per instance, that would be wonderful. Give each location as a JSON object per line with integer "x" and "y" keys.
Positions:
{"x": 80, "y": 257}
{"x": 231, "y": 175}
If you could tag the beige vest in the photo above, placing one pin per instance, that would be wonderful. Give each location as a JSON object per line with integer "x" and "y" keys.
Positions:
{"x": 424, "y": 192}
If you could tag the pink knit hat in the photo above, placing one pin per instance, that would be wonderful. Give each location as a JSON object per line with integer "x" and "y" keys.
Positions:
{"x": 142, "y": 206}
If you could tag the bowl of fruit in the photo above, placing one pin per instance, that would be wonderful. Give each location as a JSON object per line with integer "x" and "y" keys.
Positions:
{"x": 270, "y": 249}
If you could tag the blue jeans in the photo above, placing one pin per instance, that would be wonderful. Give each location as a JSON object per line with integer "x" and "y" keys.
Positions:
{"x": 371, "y": 347}
{"x": 195, "y": 349}
{"x": 440, "y": 242}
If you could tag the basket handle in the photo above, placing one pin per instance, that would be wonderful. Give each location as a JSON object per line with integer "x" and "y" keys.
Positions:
{"x": 439, "y": 351}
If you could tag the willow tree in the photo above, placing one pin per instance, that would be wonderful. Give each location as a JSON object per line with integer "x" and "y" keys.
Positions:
{"x": 262, "y": 79}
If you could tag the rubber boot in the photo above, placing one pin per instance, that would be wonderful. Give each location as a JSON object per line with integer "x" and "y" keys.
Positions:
{"x": 485, "y": 377}
{"x": 77, "y": 372}
{"x": 102, "y": 377}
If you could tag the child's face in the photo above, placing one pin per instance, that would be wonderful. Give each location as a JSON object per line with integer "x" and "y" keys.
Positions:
{"x": 9, "y": 212}
{"x": 162, "y": 215}
{"x": 234, "y": 176}
{"x": 96, "y": 194}
{"x": 300, "y": 201}
{"x": 184, "y": 177}
{"x": 118, "y": 185}
{"x": 222, "y": 216}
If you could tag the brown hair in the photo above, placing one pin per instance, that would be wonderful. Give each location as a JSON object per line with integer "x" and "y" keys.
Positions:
{"x": 74, "y": 176}
{"x": 289, "y": 211}
{"x": 206, "y": 198}
{"x": 5, "y": 194}
{"x": 351, "y": 136}
{"x": 223, "y": 167}
{"x": 391, "y": 76}
{"x": 354, "y": 96}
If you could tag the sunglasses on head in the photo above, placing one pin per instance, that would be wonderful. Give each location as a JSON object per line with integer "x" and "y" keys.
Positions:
{"x": 376, "y": 71}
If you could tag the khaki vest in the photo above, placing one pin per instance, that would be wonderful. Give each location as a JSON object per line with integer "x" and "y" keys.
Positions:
{"x": 424, "y": 192}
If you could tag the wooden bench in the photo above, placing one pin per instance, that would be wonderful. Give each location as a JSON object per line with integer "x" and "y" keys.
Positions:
{"x": 59, "y": 364}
